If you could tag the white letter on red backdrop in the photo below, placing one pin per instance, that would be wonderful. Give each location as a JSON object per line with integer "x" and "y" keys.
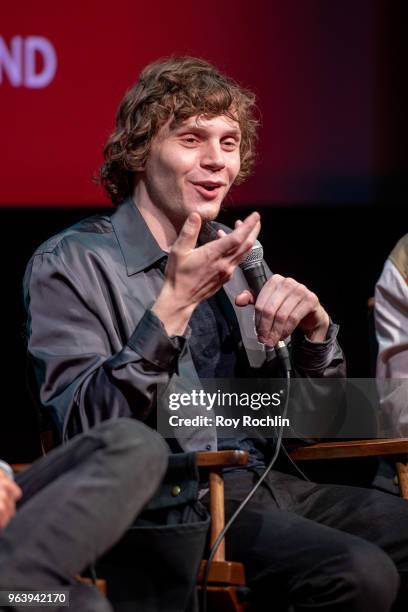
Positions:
{"x": 11, "y": 61}
{"x": 43, "y": 46}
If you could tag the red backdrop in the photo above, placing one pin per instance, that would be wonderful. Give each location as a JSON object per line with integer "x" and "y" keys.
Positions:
{"x": 312, "y": 64}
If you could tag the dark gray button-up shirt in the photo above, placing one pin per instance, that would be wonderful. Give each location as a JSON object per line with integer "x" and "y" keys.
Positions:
{"x": 97, "y": 349}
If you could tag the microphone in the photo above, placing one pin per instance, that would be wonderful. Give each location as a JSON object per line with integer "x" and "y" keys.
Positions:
{"x": 255, "y": 275}
{"x": 253, "y": 269}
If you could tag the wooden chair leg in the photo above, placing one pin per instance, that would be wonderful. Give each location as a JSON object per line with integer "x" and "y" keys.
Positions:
{"x": 99, "y": 583}
{"x": 402, "y": 472}
{"x": 226, "y": 578}
{"x": 224, "y": 599}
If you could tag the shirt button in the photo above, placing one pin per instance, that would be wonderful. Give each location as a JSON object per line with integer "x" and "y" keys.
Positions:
{"x": 176, "y": 490}
{"x": 208, "y": 447}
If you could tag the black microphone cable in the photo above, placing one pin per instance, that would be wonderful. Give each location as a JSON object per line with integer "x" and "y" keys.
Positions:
{"x": 285, "y": 360}
{"x": 255, "y": 275}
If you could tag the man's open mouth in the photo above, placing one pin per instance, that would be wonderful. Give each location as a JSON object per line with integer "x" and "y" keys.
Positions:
{"x": 208, "y": 186}
{"x": 208, "y": 191}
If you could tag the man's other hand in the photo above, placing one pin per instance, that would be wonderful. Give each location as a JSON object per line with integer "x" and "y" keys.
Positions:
{"x": 9, "y": 494}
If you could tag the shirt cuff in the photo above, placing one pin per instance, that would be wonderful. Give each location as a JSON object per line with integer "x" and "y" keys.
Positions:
{"x": 150, "y": 340}
{"x": 311, "y": 356}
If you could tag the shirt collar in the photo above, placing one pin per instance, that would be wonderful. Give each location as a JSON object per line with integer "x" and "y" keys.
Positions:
{"x": 138, "y": 245}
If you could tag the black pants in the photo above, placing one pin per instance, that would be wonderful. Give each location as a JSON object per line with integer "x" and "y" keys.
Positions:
{"x": 77, "y": 501}
{"x": 319, "y": 547}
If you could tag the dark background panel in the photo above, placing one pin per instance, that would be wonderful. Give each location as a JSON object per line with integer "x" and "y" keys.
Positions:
{"x": 336, "y": 251}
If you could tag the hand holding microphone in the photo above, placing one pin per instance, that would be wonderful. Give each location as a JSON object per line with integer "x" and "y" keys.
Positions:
{"x": 281, "y": 304}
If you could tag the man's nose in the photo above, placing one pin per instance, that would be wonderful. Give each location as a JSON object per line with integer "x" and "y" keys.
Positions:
{"x": 213, "y": 156}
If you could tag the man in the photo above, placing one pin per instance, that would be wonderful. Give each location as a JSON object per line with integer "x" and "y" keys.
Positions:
{"x": 391, "y": 323}
{"x": 134, "y": 300}
{"x": 68, "y": 508}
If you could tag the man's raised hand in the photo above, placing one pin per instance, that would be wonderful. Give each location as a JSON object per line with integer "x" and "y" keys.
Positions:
{"x": 194, "y": 274}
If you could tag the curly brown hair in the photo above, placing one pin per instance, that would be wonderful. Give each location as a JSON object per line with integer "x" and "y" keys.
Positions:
{"x": 178, "y": 87}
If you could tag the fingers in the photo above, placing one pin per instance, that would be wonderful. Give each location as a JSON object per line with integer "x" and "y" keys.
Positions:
{"x": 239, "y": 242}
{"x": 221, "y": 232}
{"x": 298, "y": 314}
{"x": 267, "y": 302}
{"x": 188, "y": 236}
{"x": 223, "y": 255}
{"x": 242, "y": 253}
{"x": 281, "y": 306}
{"x": 278, "y": 322}
{"x": 194, "y": 273}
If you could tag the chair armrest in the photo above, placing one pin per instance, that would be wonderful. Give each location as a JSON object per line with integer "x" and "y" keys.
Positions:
{"x": 219, "y": 459}
{"x": 19, "y": 467}
{"x": 351, "y": 448}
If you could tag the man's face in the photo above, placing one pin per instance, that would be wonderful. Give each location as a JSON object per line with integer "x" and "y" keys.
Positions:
{"x": 191, "y": 166}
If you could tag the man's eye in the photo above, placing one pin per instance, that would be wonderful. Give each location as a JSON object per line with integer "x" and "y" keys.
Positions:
{"x": 230, "y": 143}
{"x": 190, "y": 140}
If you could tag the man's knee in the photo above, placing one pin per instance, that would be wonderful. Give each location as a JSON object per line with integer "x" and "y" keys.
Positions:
{"x": 354, "y": 575}
{"x": 369, "y": 576}
{"x": 133, "y": 443}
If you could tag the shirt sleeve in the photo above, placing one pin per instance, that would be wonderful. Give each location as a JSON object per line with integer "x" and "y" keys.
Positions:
{"x": 83, "y": 375}
{"x": 391, "y": 318}
{"x": 318, "y": 359}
